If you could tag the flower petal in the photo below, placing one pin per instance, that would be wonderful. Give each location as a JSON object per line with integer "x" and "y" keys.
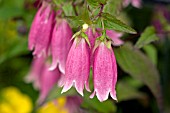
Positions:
{"x": 60, "y": 45}
{"x": 78, "y": 65}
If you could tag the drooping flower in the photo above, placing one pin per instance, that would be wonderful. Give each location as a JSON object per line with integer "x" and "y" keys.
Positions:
{"x": 40, "y": 32}
{"x": 77, "y": 66}
{"x": 42, "y": 78}
{"x": 60, "y": 44}
{"x": 47, "y": 81}
{"x": 104, "y": 72}
{"x": 36, "y": 71}
{"x": 113, "y": 35}
{"x": 135, "y": 3}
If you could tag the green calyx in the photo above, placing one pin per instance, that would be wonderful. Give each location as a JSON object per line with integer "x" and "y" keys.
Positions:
{"x": 82, "y": 34}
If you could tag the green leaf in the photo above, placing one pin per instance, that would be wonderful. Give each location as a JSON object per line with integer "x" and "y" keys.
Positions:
{"x": 85, "y": 17}
{"x": 112, "y": 6}
{"x": 75, "y": 21}
{"x": 93, "y": 3}
{"x": 151, "y": 52}
{"x": 135, "y": 63}
{"x": 147, "y": 37}
{"x": 111, "y": 22}
{"x": 96, "y": 3}
{"x": 68, "y": 9}
{"x": 56, "y": 93}
{"x": 94, "y": 104}
{"x": 11, "y": 8}
{"x": 126, "y": 91}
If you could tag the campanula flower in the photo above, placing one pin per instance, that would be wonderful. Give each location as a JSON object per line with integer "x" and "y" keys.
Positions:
{"x": 40, "y": 32}
{"x": 104, "y": 72}
{"x": 47, "y": 81}
{"x": 36, "y": 71}
{"x": 77, "y": 66}
{"x": 60, "y": 44}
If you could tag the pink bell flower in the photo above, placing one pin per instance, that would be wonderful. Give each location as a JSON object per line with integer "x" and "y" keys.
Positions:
{"x": 104, "y": 72}
{"x": 60, "y": 44}
{"x": 40, "y": 32}
{"x": 47, "y": 81}
{"x": 77, "y": 66}
{"x": 36, "y": 71}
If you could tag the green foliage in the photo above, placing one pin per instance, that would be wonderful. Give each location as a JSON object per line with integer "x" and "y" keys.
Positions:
{"x": 75, "y": 21}
{"x": 112, "y": 6}
{"x": 112, "y": 23}
{"x": 147, "y": 37}
{"x": 68, "y": 9}
{"x": 101, "y": 107}
{"x": 12, "y": 8}
{"x": 96, "y": 3}
{"x": 135, "y": 63}
{"x": 126, "y": 92}
{"x": 151, "y": 52}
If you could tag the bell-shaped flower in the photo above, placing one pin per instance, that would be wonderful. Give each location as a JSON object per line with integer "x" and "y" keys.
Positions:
{"x": 47, "y": 81}
{"x": 60, "y": 44}
{"x": 77, "y": 66}
{"x": 40, "y": 32}
{"x": 36, "y": 71}
{"x": 104, "y": 72}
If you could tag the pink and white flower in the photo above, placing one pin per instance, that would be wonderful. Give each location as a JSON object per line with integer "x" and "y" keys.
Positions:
{"x": 77, "y": 66}
{"x": 104, "y": 72}
{"x": 60, "y": 44}
{"x": 40, "y": 32}
{"x": 47, "y": 81}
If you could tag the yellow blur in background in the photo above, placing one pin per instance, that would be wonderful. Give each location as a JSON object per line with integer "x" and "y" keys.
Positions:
{"x": 13, "y": 101}
{"x": 57, "y": 106}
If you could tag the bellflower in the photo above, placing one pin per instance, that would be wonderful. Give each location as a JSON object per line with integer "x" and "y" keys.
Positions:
{"x": 36, "y": 71}
{"x": 60, "y": 44}
{"x": 47, "y": 81}
{"x": 40, "y": 32}
{"x": 77, "y": 66}
{"x": 104, "y": 72}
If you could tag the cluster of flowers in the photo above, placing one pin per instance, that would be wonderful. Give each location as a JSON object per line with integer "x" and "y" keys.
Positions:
{"x": 72, "y": 55}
